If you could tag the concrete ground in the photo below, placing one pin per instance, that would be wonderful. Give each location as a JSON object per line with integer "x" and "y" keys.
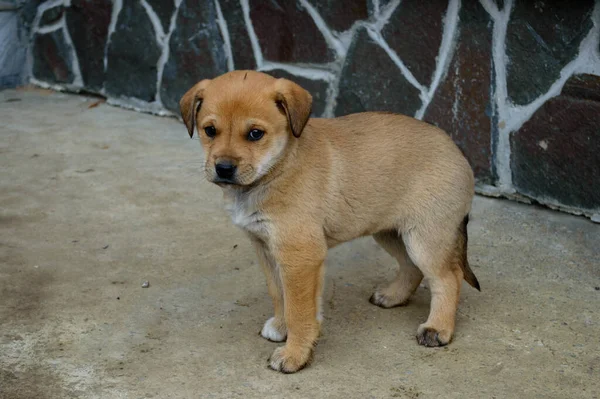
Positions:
{"x": 95, "y": 200}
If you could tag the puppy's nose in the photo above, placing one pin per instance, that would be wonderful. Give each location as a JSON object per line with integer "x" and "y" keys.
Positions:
{"x": 225, "y": 170}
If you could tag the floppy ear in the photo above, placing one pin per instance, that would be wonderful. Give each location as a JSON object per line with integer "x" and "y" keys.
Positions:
{"x": 295, "y": 102}
{"x": 190, "y": 103}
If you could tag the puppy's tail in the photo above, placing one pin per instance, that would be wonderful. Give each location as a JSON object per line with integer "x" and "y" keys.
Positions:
{"x": 463, "y": 239}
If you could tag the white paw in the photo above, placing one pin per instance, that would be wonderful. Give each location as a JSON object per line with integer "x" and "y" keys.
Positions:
{"x": 270, "y": 331}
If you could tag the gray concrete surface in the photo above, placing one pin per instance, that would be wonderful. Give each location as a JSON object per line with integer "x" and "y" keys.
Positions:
{"x": 94, "y": 201}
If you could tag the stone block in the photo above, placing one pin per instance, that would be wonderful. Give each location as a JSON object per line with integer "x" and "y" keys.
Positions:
{"x": 164, "y": 10}
{"x": 133, "y": 54}
{"x": 542, "y": 37}
{"x": 555, "y": 155}
{"x": 87, "y": 23}
{"x": 287, "y": 33}
{"x": 340, "y": 15}
{"x": 51, "y": 15}
{"x": 52, "y": 62}
{"x": 241, "y": 47}
{"x": 414, "y": 32}
{"x": 371, "y": 81}
{"x": 462, "y": 103}
{"x": 196, "y": 51}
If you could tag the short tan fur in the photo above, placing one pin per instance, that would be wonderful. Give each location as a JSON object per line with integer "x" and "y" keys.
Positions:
{"x": 306, "y": 185}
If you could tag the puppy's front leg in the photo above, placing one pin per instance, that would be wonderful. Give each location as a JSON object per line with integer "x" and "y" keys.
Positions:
{"x": 301, "y": 268}
{"x": 274, "y": 328}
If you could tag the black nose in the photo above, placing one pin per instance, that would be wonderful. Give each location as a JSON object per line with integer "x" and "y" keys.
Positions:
{"x": 225, "y": 170}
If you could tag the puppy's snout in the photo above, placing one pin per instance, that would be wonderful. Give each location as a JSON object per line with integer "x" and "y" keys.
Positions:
{"x": 225, "y": 169}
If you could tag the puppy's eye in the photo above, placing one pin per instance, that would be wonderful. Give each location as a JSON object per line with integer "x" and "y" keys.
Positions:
{"x": 210, "y": 131}
{"x": 255, "y": 135}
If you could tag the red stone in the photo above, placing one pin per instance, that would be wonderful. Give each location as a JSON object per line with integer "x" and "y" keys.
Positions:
{"x": 462, "y": 103}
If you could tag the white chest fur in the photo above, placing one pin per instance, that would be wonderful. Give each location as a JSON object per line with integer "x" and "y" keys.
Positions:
{"x": 244, "y": 209}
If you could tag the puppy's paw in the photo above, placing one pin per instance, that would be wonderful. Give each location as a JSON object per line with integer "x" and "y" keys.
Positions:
{"x": 290, "y": 360}
{"x": 273, "y": 330}
{"x": 431, "y": 337}
{"x": 385, "y": 301}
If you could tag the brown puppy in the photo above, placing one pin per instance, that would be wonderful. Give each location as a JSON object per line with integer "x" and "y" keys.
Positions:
{"x": 299, "y": 186}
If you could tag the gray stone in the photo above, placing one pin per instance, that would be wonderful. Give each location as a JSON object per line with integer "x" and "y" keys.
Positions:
{"x": 555, "y": 153}
{"x": 414, "y": 32}
{"x": 196, "y": 51}
{"x": 371, "y": 81}
{"x": 317, "y": 88}
{"x": 13, "y": 50}
{"x": 163, "y": 9}
{"x": 52, "y": 61}
{"x": 51, "y": 15}
{"x": 542, "y": 38}
{"x": 87, "y": 22}
{"x": 340, "y": 15}
{"x": 132, "y": 55}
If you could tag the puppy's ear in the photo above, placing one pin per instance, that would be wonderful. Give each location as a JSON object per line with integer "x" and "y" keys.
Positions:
{"x": 295, "y": 102}
{"x": 190, "y": 103}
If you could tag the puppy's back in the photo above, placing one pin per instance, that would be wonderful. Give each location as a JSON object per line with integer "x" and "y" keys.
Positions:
{"x": 390, "y": 160}
{"x": 386, "y": 140}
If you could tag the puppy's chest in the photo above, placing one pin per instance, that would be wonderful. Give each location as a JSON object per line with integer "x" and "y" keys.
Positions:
{"x": 246, "y": 214}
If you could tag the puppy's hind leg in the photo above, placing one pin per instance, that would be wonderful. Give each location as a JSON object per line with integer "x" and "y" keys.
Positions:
{"x": 408, "y": 278}
{"x": 435, "y": 253}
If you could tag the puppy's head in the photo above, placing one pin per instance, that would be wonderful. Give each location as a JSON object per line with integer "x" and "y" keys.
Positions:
{"x": 245, "y": 121}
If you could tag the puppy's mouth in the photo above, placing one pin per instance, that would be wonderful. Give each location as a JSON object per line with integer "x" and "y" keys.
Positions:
{"x": 225, "y": 182}
{"x": 243, "y": 177}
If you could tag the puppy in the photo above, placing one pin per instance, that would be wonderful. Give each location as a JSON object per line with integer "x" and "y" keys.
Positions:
{"x": 298, "y": 186}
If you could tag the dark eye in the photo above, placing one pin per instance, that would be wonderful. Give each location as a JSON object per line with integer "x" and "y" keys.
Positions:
{"x": 210, "y": 131}
{"x": 255, "y": 135}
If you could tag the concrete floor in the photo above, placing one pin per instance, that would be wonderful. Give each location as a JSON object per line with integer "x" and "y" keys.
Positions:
{"x": 94, "y": 201}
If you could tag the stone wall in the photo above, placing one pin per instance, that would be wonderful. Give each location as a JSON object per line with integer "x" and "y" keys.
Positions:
{"x": 13, "y": 42}
{"x": 514, "y": 82}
